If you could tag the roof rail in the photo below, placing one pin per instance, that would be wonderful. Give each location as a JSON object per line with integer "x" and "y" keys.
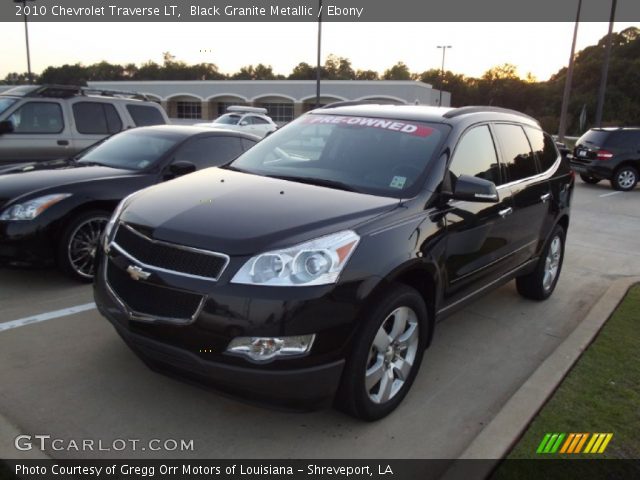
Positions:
{"x": 244, "y": 109}
{"x": 68, "y": 91}
{"x": 456, "y": 112}
{"x": 349, "y": 103}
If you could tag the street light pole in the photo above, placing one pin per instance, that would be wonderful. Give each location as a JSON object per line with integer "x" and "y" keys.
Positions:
{"x": 444, "y": 49}
{"x": 605, "y": 67}
{"x": 318, "y": 60}
{"x": 26, "y": 36}
{"x": 562, "y": 129}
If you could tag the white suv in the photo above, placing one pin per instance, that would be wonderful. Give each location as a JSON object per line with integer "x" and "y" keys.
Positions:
{"x": 57, "y": 121}
{"x": 245, "y": 119}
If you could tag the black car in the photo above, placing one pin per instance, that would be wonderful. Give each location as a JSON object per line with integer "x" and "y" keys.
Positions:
{"x": 56, "y": 211}
{"x": 609, "y": 153}
{"x": 316, "y": 265}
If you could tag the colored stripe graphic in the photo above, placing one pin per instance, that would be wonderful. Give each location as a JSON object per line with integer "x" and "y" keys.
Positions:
{"x": 574, "y": 443}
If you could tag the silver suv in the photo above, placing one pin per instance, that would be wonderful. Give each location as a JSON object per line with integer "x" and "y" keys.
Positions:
{"x": 57, "y": 121}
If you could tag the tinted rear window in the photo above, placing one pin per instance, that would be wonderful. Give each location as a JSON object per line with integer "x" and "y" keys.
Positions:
{"x": 625, "y": 140}
{"x": 144, "y": 115}
{"x": 518, "y": 160}
{"x": 593, "y": 138}
{"x": 543, "y": 146}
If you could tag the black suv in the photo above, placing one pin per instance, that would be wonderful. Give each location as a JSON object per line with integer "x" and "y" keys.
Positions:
{"x": 609, "y": 153}
{"x": 315, "y": 266}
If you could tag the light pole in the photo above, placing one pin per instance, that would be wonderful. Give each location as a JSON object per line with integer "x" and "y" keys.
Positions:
{"x": 605, "y": 67}
{"x": 562, "y": 129}
{"x": 444, "y": 50}
{"x": 26, "y": 35}
{"x": 318, "y": 62}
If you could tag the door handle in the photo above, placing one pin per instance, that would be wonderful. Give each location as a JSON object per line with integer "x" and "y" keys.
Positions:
{"x": 545, "y": 197}
{"x": 505, "y": 212}
{"x": 63, "y": 143}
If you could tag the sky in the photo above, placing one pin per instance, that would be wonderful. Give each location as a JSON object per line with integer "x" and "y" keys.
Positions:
{"x": 539, "y": 48}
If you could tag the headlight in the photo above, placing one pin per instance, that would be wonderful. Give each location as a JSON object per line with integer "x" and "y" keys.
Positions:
{"x": 108, "y": 230}
{"x": 30, "y": 209}
{"x": 317, "y": 262}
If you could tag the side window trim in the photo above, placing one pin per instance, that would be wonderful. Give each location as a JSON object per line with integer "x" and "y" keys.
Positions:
{"x": 494, "y": 140}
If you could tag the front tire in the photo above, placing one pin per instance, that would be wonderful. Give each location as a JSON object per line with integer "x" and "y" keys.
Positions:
{"x": 386, "y": 357}
{"x": 539, "y": 284}
{"x": 78, "y": 245}
{"x": 589, "y": 179}
{"x": 625, "y": 178}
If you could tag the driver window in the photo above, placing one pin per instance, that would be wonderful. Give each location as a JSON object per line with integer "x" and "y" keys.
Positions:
{"x": 476, "y": 156}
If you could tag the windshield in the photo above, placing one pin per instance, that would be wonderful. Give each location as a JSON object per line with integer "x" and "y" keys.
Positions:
{"x": 6, "y": 103}
{"x": 131, "y": 150}
{"x": 369, "y": 155}
{"x": 228, "y": 119}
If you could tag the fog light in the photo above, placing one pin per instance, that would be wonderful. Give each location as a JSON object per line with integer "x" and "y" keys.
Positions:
{"x": 262, "y": 349}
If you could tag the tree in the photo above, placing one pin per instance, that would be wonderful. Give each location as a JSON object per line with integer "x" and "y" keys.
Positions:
{"x": 399, "y": 71}
{"x": 367, "y": 75}
{"x": 303, "y": 71}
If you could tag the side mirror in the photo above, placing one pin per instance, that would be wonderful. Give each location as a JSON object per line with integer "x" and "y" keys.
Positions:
{"x": 180, "y": 168}
{"x": 474, "y": 189}
{"x": 6, "y": 126}
{"x": 243, "y": 123}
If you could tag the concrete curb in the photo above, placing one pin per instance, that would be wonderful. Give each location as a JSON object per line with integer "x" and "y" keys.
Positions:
{"x": 498, "y": 437}
{"x": 8, "y": 449}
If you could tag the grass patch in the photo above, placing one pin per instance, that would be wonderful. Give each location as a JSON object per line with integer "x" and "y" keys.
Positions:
{"x": 601, "y": 393}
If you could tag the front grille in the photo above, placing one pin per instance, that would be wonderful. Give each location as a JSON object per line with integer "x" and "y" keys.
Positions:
{"x": 146, "y": 299}
{"x": 169, "y": 256}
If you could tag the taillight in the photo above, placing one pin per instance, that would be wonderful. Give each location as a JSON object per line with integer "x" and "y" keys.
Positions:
{"x": 603, "y": 155}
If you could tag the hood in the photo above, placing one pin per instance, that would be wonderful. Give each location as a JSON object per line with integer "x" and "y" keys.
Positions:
{"x": 243, "y": 214}
{"x": 16, "y": 185}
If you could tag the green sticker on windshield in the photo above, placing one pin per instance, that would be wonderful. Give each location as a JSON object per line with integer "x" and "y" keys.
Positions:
{"x": 398, "y": 182}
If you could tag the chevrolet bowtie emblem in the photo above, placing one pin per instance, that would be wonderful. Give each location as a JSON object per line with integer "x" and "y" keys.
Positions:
{"x": 137, "y": 273}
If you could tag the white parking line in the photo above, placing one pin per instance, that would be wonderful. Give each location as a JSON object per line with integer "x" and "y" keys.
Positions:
{"x": 43, "y": 317}
{"x": 609, "y": 194}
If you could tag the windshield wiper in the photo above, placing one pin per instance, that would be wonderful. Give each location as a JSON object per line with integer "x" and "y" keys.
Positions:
{"x": 89, "y": 163}
{"x": 321, "y": 182}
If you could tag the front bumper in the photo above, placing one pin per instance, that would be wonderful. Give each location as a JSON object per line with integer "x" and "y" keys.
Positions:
{"x": 25, "y": 243}
{"x": 305, "y": 388}
{"x": 195, "y": 351}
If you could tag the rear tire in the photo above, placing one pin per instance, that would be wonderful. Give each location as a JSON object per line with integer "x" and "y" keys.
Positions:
{"x": 539, "y": 284}
{"x": 78, "y": 244}
{"x": 625, "y": 178}
{"x": 589, "y": 179}
{"x": 386, "y": 356}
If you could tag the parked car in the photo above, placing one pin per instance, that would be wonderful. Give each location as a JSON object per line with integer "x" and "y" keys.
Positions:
{"x": 58, "y": 121}
{"x": 609, "y": 153}
{"x": 323, "y": 258}
{"x": 245, "y": 119}
{"x": 56, "y": 210}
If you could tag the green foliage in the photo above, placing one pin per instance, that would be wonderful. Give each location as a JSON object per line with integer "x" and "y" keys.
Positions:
{"x": 399, "y": 71}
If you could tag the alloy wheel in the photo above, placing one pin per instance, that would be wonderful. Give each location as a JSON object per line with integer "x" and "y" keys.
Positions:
{"x": 392, "y": 355}
{"x": 83, "y": 245}
{"x": 626, "y": 179}
{"x": 552, "y": 263}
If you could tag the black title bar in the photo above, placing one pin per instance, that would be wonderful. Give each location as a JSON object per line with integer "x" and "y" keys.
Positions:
{"x": 309, "y": 11}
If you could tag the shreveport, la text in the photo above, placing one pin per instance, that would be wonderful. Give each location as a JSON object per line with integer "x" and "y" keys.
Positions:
{"x": 186, "y": 469}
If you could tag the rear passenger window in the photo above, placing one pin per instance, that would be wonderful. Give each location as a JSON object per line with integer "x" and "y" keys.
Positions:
{"x": 144, "y": 115}
{"x": 543, "y": 147}
{"x": 518, "y": 160}
{"x": 475, "y": 156}
{"x": 96, "y": 118}
{"x": 37, "y": 117}
{"x": 247, "y": 144}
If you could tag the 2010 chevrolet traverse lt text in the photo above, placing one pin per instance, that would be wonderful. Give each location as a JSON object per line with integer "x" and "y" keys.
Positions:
{"x": 314, "y": 267}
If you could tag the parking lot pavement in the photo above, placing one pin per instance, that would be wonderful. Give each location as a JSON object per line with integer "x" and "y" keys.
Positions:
{"x": 73, "y": 378}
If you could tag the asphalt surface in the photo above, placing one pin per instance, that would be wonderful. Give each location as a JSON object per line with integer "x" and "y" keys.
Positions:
{"x": 73, "y": 378}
